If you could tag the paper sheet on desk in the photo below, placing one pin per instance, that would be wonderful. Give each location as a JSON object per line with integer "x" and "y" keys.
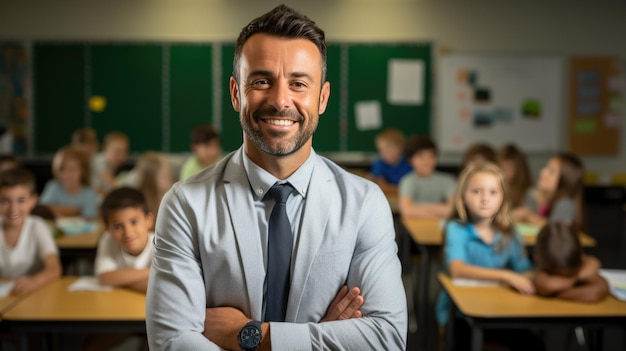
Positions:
{"x": 88, "y": 284}
{"x": 5, "y": 288}
{"x": 617, "y": 282}
{"x": 473, "y": 282}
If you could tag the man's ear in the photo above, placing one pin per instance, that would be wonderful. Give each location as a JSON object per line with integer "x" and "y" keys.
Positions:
{"x": 234, "y": 94}
{"x": 324, "y": 96}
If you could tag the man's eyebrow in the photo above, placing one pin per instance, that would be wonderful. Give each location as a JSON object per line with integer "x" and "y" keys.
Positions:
{"x": 259, "y": 73}
{"x": 301, "y": 75}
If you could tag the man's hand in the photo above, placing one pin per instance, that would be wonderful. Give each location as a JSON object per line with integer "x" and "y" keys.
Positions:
{"x": 346, "y": 305}
{"x": 222, "y": 324}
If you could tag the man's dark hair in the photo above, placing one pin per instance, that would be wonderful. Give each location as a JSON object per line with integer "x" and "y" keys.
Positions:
{"x": 203, "y": 134}
{"x": 122, "y": 198}
{"x": 285, "y": 22}
{"x": 419, "y": 143}
{"x": 17, "y": 177}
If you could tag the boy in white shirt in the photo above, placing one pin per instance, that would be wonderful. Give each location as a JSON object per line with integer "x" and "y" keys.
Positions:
{"x": 28, "y": 253}
{"x": 125, "y": 250}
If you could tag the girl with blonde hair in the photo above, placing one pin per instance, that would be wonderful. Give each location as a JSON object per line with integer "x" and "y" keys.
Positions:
{"x": 482, "y": 243}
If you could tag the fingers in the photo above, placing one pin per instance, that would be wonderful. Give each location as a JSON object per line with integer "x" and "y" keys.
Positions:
{"x": 345, "y": 305}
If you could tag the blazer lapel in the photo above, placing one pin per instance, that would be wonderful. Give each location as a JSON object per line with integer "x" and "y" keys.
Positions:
{"x": 241, "y": 209}
{"x": 314, "y": 219}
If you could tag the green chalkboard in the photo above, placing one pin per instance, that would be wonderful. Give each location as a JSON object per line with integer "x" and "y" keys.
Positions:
{"x": 327, "y": 138}
{"x": 59, "y": 94}
{"x": 367, "y": 81}
{"x": 157, "y": 92}
{"x": 190, "y": 88}
{"x": 232, "y": 136}
{"x": 129, "y": 76}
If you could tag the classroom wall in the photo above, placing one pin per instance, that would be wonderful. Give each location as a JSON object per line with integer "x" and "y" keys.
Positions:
{"x": 561, "y": 27}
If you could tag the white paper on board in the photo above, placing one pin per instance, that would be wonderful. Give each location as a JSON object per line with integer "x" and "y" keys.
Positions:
{"x": 368, "y": 115}
{"x": 405, "y": 82}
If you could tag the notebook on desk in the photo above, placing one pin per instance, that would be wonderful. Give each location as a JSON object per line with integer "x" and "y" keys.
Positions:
{"x": 617, "y": 282}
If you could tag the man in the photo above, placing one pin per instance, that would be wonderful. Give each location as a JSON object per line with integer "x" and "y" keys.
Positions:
{"x": 212, "y": 281}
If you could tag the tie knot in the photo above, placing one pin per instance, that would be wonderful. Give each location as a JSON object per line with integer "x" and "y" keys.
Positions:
{"x": 280, "y": 192}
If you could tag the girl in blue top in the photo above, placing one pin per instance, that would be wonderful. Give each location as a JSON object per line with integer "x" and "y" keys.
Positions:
{"x": 480, "y": 239}
{"x": 69, "y": 193}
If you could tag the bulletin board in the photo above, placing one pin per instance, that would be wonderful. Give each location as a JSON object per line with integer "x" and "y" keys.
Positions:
{"x": 498, "y": 99}
{"x": 596, "y": 105}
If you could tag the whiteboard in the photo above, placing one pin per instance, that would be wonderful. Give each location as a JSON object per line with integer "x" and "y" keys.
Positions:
{"x": 499, "y": 99}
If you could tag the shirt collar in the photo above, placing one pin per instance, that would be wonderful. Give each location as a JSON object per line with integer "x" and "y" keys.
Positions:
{"x": 261, "y": 180}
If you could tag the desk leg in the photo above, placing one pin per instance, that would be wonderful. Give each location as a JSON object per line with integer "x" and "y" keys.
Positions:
{"x": 23, "y": 341}
{"x": 477, "y": 338}
{"x": 450, "y": 327}
{"x": 424, "y": 282}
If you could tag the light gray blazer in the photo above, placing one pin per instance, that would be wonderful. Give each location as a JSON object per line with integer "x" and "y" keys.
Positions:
{"x": 208, "y": 254}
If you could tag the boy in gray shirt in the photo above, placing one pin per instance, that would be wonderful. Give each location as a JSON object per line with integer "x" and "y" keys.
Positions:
{"x": 425, "y": 193}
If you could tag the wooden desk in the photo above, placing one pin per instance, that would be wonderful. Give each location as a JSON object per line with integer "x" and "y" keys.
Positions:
{"x": 54, "y": 309}
{"x": 430, "y": 232}
{"x": 87, "y": 241}
{"x": 428, "y": 235}
{"x": 502, "y": 307}
{"x": 6, "y": 303}
{"x": 77, "y": 247}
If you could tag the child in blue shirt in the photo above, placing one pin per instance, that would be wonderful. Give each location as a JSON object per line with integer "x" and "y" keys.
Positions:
{"x": 481, "y": 243}
{"x": 69, "y": 193}
{"x": 391, "y": 165}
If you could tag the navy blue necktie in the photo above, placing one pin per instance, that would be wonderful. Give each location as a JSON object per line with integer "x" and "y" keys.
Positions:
{"x": 279, "y": 246}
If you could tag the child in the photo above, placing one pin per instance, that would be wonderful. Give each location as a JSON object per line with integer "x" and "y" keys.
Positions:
{"x": 69, "y": 194}
{"x": 105, "y": 164}
{"x": 563, "y": 270}
{"x": 516, "y": 173}
{"x": 28, "y": 253}
{"x": 8, "y": 161}
{"x": 481, "y": 242}
{"x": 153, "y": 177}
{"x": 125, "y": 250}
{"x": 478, "y": 152}
{"x": 392, "y": 164}
{"x": 205, "y": 144}
{"x": 558, "y": 194}
{"x": 425, "y": 193}
{"x": 85, "y": 140}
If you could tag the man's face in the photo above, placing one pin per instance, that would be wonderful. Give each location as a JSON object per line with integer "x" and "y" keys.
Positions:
{"x": 280, "y": 94}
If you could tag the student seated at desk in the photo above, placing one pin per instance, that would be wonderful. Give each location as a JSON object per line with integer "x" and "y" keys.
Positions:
{"x": 28, "y": 253}
{"x": 481, "y": 243}
{"x": 105, "y": 164}
{"x": 478, "y": 152}
{"x": 563, "y": 271}
{"x": 425, "y": 193}
{"x": 69, "y": 193}
{"x": 391, "y": 164}
{"x": 124, "y": 251}
{"x": 205, "y": 144}
{"x": 558, "y": 194}
{"x": 516, "y": 172}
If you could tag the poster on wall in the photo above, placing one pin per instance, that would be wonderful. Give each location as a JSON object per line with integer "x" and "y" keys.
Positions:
{"x": 596, "y": 105}
{"x": 15, "y": 97}
{"x": 499, "y": 99}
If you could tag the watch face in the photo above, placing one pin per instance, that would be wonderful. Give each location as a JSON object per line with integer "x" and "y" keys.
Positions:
{"x": 250, "y": 337}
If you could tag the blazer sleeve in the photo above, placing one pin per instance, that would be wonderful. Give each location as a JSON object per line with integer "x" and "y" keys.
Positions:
{"x": 175, "y": 311}
{"x": 375, "y": 269}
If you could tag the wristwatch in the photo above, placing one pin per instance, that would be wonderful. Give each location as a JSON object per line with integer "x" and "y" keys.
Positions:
{"x": 250, "y": 336}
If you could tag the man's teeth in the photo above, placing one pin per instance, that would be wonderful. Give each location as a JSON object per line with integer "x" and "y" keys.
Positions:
{"x": 280, "y": 122}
